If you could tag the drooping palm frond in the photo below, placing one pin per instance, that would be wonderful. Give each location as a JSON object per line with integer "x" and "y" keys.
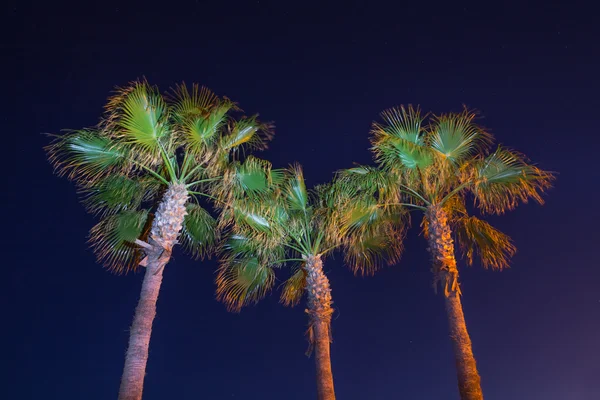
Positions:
{"x": 476, "y": 237}
{"x": 243, "y": 281}
{"x": 294, "y": 287}
{"x": 371, "y": 233}
{"x": 199, "y": 232}
{"x": 456, "y": 137}
{"x": 504, "y": 179}
{"x": 112, "y": 194}
{"x": 86, "y": 155}
{"x": 112, "y": 239}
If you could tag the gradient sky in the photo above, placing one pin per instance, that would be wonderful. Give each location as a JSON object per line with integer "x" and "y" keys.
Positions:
{"x": 322, "y": 73}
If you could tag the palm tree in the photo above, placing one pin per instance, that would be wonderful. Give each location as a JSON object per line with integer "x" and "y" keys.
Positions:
{"x": 272, "y": 219}
{"x": 433, "y": 168}
{"x": 143, "y": 170}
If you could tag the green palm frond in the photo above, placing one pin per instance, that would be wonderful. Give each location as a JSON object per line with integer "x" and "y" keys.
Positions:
{"x": 243, "y": 281}
{"x": 247, "y": 132}
{"x": 86, "y": 155}
{"x": 371, "y": 233}
{"x": 253, "y": 219}
{"x": 360, "y": 215}
{"x": 188, "y": 105}
{"x": 199, "y": 232}
{"x": 140, "y": 118}
{"x": 400, "y": 140}
{"x": 201, "y": 132}
{"x": 366, "y": 251}
{"x": 493, "y": 247}
{"x": 296, "y": 193}
{"x": 254, "y": 180}
{"x": 393, "y": 152}
{"x": 112, "y": 239}
{"x": 504, "y": 179}
{"x": 112, "y": 194}
{"x": 255, "y": 176}
{"x": 456, "y": 137}
{"x": 294, "y": 287}
{"x": 403, "y": 122}
{"x": 362, "y": 178}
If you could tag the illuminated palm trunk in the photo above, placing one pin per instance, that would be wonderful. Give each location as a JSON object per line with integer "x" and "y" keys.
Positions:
{"x": 445, "y": 273}
{"x": 319, "y": 311}
{"x": 163, "y": 236}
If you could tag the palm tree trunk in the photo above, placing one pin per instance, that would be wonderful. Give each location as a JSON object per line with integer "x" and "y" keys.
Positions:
{"x": 163, "y": 236}
{"x": 445, "y": 273}
{"x": 319, "y": 311}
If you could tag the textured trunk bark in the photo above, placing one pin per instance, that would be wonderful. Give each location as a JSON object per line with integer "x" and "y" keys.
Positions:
{"x": 319, "y": 311}
{"x": 165, "y": 230}
{"x": 445, "y": 273}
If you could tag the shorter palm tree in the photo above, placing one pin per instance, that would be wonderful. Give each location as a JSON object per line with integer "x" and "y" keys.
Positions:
{"x": 143, "y": 170}
{"x": 433, "y": 169}
{"x": 272, "y": 220}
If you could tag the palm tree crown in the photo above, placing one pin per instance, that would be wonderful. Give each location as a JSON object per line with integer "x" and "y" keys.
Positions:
{"x": 144, "y": 143}
{"x": 272, "y": 219}
{"x": 440, "y": 164}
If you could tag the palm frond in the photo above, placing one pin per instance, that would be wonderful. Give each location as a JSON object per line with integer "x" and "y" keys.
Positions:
{"x": 296, "y": 193}
{"x": 243, "y": 281}
{"x": 201, "y": 132}
{"x": 504, "y": 179}
{"x": 366, "y": 251}
{"x": 477, "y": 237}
{"x": 403, "y": 122}
{"x": 112, "y": 239}
{"x": 456, "y": 137}
{"x": 400, "y": 140}
{"x": 247, "y": 132}
{"x": 86, "y": 155}
{"x": 112, "y": 194}
{"x": 199, "y": 232}
{"x": 393, "y": 152}
{"x": 366, "y": 179}
{"x": 188, "y": 105}
{"x": 360, "y": 214}
{"x": 294, "y": 287}
{"x": 139, "y": 117}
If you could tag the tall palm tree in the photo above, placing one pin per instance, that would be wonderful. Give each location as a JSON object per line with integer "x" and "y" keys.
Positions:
{"x": 272, "y": 219}
{"x": 433, "y": 168}
{"x": 143, "y": 170}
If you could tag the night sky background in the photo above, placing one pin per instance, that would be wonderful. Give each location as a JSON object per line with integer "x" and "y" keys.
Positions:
{"x": 322, "y": 72}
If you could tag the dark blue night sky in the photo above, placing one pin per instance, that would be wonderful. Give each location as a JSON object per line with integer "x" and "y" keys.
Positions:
{"x": 322, "y": 73}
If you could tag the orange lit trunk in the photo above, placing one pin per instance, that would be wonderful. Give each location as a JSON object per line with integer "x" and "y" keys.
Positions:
{"x": 319, "y": 311}
{"x": 445, "y": 273}
{"x": 165, "y": 229}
